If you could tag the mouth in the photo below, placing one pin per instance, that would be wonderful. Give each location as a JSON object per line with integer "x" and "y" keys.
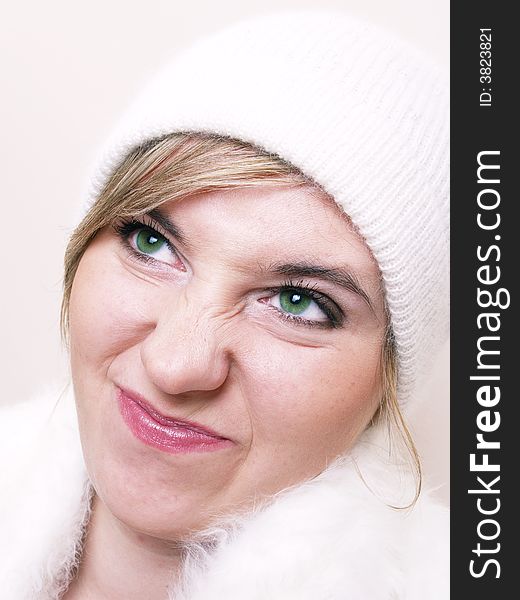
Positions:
{"x": 175, "y": 436}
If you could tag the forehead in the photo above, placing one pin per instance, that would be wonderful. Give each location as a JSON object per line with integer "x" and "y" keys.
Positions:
{"x": 296, "y": 222}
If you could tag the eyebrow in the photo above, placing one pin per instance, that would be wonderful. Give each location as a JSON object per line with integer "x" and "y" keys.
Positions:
{"x": 174, "y": 230}
{"x": 337, "y": 276}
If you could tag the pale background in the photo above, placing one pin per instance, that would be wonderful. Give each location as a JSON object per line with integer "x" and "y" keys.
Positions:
{"x": 67, "y": 70}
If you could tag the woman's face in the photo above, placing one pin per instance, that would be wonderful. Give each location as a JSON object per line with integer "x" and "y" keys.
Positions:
{"x": 223, "y": 349}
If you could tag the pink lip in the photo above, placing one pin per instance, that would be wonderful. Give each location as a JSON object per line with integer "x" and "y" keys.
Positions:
{"x": 166, "y": 433}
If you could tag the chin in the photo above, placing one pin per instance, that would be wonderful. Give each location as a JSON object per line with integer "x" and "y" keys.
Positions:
{"x": 155, "y": 511}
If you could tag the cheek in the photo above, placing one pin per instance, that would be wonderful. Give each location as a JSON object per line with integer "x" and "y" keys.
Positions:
{"x": 106, "y": 314}
{"x": 106, "y": 319}
{"x": 314, "y": 398}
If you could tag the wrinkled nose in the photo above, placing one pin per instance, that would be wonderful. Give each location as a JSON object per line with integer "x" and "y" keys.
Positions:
{"x": 186, "y": 351}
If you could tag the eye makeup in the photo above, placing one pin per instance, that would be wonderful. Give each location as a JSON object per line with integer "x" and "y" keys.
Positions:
{"x": 126, "y": 229}
{"x": 334, "y": 315}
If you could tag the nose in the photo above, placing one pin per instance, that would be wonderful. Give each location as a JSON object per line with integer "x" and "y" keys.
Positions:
{"x": 186, "y": 352}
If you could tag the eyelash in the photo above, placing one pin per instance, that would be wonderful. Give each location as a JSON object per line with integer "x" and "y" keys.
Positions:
{"x": 333, "y": 313}
{"x": 125, "y": 228}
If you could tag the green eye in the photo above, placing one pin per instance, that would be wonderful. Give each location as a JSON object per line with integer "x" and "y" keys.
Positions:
{"x": 294, "y": 302}
{"x": 148, "y": 241}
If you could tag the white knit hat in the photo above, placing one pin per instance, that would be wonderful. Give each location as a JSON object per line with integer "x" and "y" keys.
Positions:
{"x": 358, "y": 111}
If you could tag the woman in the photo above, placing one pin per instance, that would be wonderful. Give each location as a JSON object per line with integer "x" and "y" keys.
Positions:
{"x": 251, "y": 300}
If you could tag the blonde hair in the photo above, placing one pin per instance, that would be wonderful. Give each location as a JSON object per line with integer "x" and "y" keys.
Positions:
{"x": 181, "y": 164}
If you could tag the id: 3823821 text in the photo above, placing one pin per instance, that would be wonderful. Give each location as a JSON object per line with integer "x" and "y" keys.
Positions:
{"x": 485, "y": 67}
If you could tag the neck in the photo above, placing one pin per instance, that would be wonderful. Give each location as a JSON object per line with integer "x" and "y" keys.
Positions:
{"x": 121, "y": 564}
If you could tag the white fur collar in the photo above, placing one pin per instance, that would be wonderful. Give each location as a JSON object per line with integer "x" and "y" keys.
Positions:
{"x": 329, "y": 539}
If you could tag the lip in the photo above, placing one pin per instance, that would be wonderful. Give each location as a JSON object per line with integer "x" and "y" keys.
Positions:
{"x": 175, "y": 436}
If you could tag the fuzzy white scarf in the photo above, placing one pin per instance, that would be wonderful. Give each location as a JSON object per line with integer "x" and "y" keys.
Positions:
{"x": 333, "y": 538}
